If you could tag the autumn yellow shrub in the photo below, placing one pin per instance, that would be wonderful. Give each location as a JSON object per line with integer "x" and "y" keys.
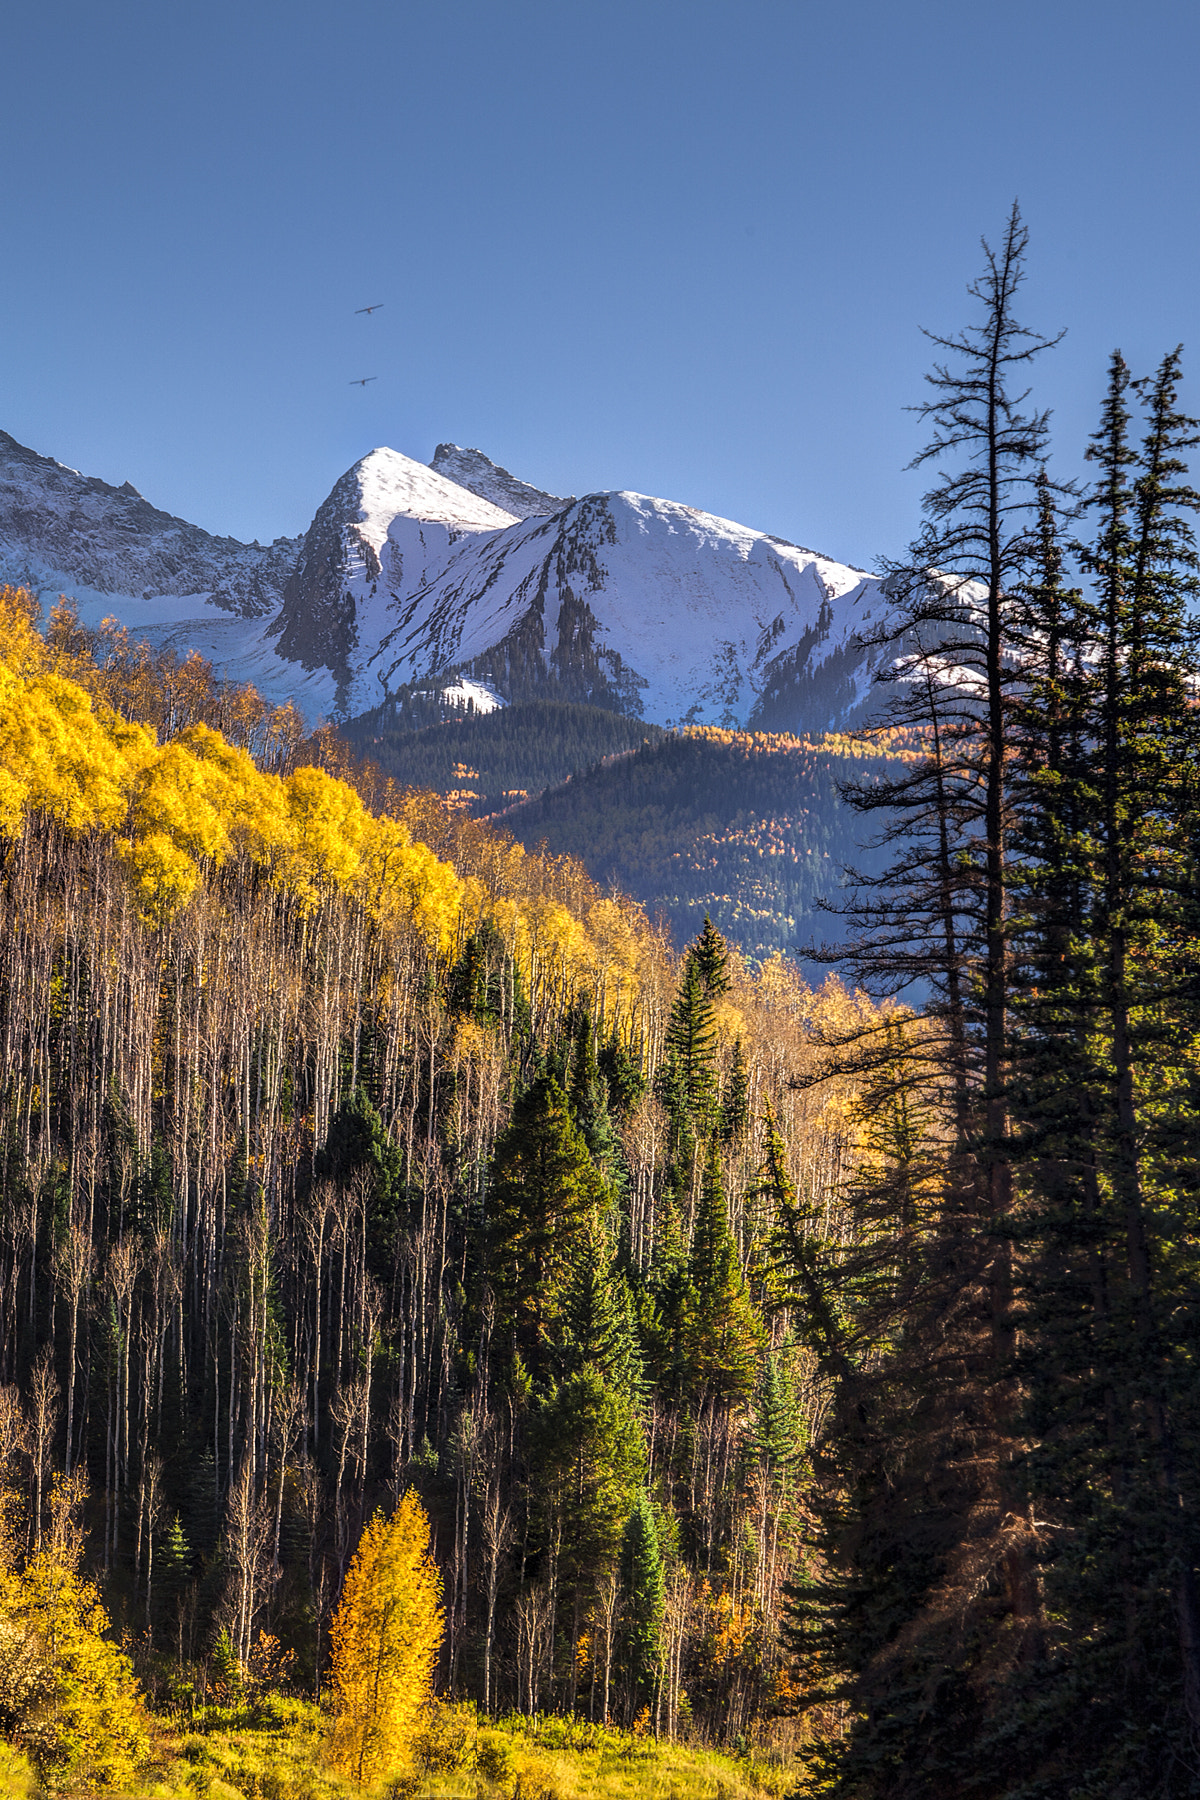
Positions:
{"x": 68, "y": 1698}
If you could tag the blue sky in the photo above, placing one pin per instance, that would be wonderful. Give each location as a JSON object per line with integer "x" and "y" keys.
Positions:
{"x": 681, "y": 246}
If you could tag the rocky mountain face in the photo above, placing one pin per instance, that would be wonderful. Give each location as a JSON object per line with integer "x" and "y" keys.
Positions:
{"x": 644, "y": 605}
{"x": 480, "y": 475}
{"x": 113, "y": 541}
{"x": 388, "y": 528}
{"x": 413, "y": 574}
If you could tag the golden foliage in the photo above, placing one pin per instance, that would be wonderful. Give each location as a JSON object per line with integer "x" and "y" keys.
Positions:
{"x": 196, "y": 800}
{"x": 902, "y": 743}
{"x": 71, "y": 751}
{"x": 385, "y": 1639}
{"x": 68, "y": 1697}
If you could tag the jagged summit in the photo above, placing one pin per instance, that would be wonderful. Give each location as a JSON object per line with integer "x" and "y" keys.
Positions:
{"x": 478, "y": 473}
{"x": 389, "y": 525}
{"x": 393, "y": 485}
{"x": 55, "y": 520}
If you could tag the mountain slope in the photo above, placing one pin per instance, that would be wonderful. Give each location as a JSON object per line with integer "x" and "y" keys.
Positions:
{"x": 647, "y": 606}
{"x": 114, "y": 541}
{"x": 492, "y": 761}
{"x": 746, "y": 827}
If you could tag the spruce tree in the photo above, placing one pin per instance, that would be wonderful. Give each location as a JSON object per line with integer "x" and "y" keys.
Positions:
{"x": 645, "y": 1604}
{"x": 928, "y": 1270}
{"x": 722, "y": 1333}
{"x": 710, "y": 953}
{"x": 587, "y": 1462}
{"x": 545, "y": 1197}
{"x": 775, "y": 1439}
{"x": 1109, "y": 1109}
{"x": 588, "y": 1093}
{"x": 358, "y": 1145}
{"x": 623, "y": 1075}
{"x": 689, "y": 1090}
{"x": 596, "y": 1329}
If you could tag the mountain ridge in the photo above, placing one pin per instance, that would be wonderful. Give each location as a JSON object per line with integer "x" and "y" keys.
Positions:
{"x": 480, "y": 475}
{"x": 409, "y": 576}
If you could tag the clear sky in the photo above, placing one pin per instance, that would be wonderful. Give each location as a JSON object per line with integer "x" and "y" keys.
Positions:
{"x": 680, "y": 246}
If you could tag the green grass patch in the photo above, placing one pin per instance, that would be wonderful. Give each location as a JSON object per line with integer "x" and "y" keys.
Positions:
{"x": 272, "y": 1750}
{"x": 551, "y": 1758}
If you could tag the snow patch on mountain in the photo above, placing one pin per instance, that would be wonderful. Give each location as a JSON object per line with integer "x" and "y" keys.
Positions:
{"x": 476, "y": 695}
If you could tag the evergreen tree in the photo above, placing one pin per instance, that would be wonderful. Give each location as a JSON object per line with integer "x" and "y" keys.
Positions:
{"x": 710, "y": 953}
{"x": 544, "y": 1198}
{"x": 722, "y": 1333}
{"x": 645, "y": 1604}
{"x": 623, "y": 1075}
{"x": 172, "y": 1581}
{"x": 358, "y": 1145}
{"x": 588, "y": 1093}
{"x": 469, "y": 983}
{"x": 927, "y": 1274}
{"x": 588, "y": 1461}
{"x": 597, "y": 1328}
{"x": 1109, "y": 1109}
{"x": 485, "y": 983}
{"x": 775, "y": 1439}
{"x": 688, "y": 1085}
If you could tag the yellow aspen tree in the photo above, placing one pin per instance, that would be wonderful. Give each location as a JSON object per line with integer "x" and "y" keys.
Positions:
{"x": 385, "y": 1638}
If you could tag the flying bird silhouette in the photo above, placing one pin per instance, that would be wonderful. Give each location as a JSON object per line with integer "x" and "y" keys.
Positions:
{"x": 362, "y": 380}
{"x": 369, "y": 309}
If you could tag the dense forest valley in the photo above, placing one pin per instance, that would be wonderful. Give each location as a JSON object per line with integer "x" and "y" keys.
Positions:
{"x": 420, "y": 1274}
{"x": 747, "y": 828}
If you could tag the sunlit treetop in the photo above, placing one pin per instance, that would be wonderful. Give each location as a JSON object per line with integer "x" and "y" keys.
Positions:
{"x": 178, "y": 799}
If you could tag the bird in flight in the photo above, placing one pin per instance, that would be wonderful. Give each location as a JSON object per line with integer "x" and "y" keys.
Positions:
{"x": 362, "y": 380}
{"x": 369, "y": 309}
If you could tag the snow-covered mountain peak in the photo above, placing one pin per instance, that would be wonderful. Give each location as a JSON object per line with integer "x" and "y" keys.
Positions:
{"x": 457, "y": 573}
{"x": 392, "y": 486}
{"x": 473, "y": 470}
{"x": 388, "y": 527}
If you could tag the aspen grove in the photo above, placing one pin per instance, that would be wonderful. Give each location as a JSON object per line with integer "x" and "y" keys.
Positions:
{"x": 348, "y": 1151}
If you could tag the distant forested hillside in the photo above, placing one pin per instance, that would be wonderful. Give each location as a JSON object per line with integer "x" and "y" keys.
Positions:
{"x": 747, "y": 827}
{"x": 491, "y": 760}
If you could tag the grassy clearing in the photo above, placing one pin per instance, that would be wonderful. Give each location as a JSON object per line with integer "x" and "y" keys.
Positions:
{"x": 563, "y": 1759}
{"x": 273, "y": 1752}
